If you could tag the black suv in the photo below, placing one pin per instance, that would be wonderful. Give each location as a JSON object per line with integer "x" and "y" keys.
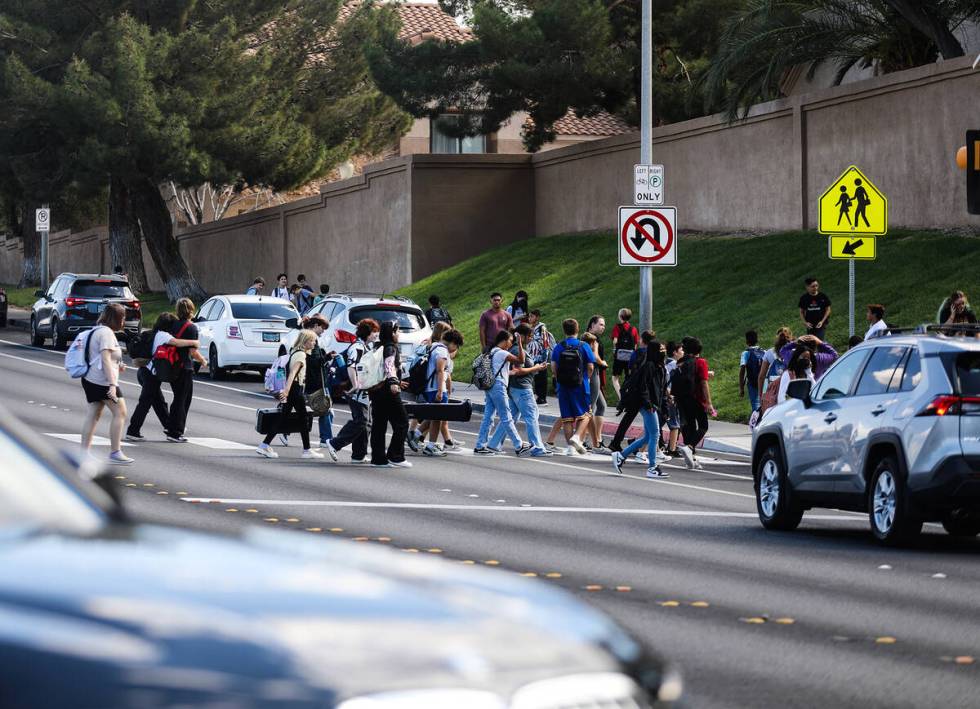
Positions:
{"x": 73, "y": 303}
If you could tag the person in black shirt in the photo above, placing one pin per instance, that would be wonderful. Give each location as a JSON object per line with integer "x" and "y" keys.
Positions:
{"x": 183, "y": 385}
{"x": 814, "y": 309}
{"x": 436, "y": 313}
{"x": 387, "y": 407}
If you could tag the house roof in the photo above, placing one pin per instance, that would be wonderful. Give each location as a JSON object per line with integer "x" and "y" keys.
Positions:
{"x": 601, "y": 124}
{"x": 420, "y": 21}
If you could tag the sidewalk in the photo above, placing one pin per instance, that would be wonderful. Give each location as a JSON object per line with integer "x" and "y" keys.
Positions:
{"x": 723, "y": 437}
{"x": 18, "y": 318}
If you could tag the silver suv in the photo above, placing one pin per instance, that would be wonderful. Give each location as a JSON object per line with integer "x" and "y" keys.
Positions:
{"x": 892, "y": 428}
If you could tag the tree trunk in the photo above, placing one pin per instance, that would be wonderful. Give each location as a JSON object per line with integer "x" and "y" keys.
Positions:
{"x": 31, "y": 272}
{"x": 125, "y": 246}
{"x": 929, "y": 23}
{"x": 151, "y": 211}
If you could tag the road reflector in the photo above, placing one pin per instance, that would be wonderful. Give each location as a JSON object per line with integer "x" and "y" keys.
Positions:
{"x": 670, "y": 604}
{"x": 964, "y": 660}
{"x": 553, "y": 575}
{"x": 784, "y": 621}
{"x": 492, "y": 562}
{"x": 624, "y": 589}
{"x": 755, "y": 620}
{"x": 593, "y": 587}
{"x": 700, "y": 604}
{"x": 313, "y": 529}
{"x": 885, "y": 640}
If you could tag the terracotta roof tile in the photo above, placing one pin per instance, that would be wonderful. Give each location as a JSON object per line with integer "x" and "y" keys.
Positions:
{"x": 420, "y": 21}
{"x": 602, "y": 124}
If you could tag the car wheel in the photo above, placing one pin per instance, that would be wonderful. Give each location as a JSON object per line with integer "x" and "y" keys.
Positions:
{"x": 36, "y": 338}
{"x": 214, "y": 371}
{"x": 58, "y": 339}
{"x": 773, "y": 496}
{"x": 892, "y": 522}
{"x": 962, "y": 523}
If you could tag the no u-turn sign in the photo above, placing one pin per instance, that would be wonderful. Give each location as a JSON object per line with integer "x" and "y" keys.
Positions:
{"x": 647, "y": 236}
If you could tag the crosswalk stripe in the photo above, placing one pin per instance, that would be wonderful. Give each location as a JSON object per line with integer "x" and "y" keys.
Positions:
{"x": 77, "y": 438}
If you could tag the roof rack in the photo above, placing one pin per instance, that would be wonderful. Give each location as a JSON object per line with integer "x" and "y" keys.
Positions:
{"x": 932, "y": 329}
{"x": 350, "y": 295}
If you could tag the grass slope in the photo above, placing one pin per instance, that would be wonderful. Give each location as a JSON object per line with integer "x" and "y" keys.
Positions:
{"x": 722, "y": 287}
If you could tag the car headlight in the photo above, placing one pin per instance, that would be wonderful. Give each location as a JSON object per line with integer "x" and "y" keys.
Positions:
{"x": 427, "y": 699}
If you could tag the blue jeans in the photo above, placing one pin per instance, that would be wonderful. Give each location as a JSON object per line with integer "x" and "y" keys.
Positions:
{"x": 753, "y": 395}
{"x": 497, "y": 403}
{"x": 522, "y": 406}
{"x": 650, "y": 438}
{"x": 326, "y": 426}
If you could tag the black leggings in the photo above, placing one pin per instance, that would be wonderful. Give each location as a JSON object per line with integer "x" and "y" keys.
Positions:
{"x": 694, "y": 423}
{"x": 150, "y": 397}
{"x": 388, "y": 408}
{"x": 629, "y": 415}
{"x": 294, "y": 402}
{"x": 183, "y": 387}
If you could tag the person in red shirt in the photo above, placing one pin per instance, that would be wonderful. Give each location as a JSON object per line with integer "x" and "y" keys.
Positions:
{"x": 494, "y": 320}
{"x": 625, "y": 338}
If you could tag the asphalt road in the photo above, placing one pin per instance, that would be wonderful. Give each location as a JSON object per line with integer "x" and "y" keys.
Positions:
{"x": 822, "y": 617}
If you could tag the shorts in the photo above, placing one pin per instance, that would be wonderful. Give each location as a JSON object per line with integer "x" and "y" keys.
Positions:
{"x": 620, "y": 368}
{"x": 673, "y": 418}
{"x": 95, "y": 393}
{"x": 573, "y": 403}
{"x": 430, "y": 397}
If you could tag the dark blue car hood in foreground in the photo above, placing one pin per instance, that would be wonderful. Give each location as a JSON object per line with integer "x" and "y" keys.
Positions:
{"x": 148, "y": 616}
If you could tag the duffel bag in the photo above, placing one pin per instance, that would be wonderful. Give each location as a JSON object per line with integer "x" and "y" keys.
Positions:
{"x": 268, "y": 421}
{"x": 455, "y": 410}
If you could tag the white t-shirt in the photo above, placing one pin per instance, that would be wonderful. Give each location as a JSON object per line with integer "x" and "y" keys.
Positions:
{"x": 282, "y": 293}
{"x": 102, "y": 338}
{"x": 784, "y": 381}
{"x": 501, "y": 367}
{"x": 159, "y": 340}
{"x": 875, "y": 329}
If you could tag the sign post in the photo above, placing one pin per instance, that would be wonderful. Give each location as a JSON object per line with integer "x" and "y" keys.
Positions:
{"x": 42, "y": 225}
{"x": 646, "y": 147}
{"x": 853, "y": 212}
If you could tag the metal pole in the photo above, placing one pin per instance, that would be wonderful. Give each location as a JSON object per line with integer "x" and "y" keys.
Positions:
{"x": 44, "y": 255}
{"x": 850, "y": 296}
{"x": 646, "y": 147}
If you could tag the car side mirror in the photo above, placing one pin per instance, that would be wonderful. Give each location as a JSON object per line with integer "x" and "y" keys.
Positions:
{"x": 39, "y": 293}
{"x": 292, "y": 323}
{"x": 800, "y": 389}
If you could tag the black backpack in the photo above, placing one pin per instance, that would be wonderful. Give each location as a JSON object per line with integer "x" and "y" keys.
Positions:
{"x": 753, "y": 365}
{"x": 438, "y": 315}
{"x": 570, "y": 367}
{"x": 418, "y": 373}
{"x": 683, "y": 380}
{"x": 626, "y": 340}
{"x": 141, "y": 346}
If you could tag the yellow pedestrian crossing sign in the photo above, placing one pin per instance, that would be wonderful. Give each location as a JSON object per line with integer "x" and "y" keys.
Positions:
{"x": 852, "y": 247}
{"x": 853, "y": 206}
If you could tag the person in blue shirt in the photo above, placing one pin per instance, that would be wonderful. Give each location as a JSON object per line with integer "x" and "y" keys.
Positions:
{"x": 572, "y": 362}
{"x": 256, "y": 288}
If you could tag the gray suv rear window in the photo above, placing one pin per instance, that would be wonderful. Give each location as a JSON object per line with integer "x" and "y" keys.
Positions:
{"x": 408, "y": 319}
{"x": 968, "y": 372}
{"x": 262, "y": 311}
{"x": 95, "y": 289}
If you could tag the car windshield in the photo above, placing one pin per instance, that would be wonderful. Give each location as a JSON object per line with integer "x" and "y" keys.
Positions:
{"x": 968, "y": 372}
{"x": 409, "y": 319}
{"x": 34, "y": 496}
{"x": 101, "y": 289}
{"x": 267, "y": 310}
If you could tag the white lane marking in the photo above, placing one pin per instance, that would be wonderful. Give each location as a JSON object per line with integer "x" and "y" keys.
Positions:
{"x": 220, "y": 444}
{"x": 493, "y": 508}
{"x": 77, "y": 438}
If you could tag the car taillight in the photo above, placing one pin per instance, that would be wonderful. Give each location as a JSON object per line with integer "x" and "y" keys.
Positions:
{"x": 344, "y": 336}
{"x": 234, "y": 332}
{"x": 134, "y": 304}
{"x": 72, "y": 302}
{"x": 949, "y": 405}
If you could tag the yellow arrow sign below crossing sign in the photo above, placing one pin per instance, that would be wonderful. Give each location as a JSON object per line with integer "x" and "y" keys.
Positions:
{"x": 853, "y": 206}
{"x": 852, "y": 247}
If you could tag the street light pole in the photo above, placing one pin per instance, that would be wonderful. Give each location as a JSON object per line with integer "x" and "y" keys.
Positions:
{"x": 646, "y": 147}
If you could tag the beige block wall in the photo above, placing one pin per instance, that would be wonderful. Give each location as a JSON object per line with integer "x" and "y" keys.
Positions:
{"x": 11, "y": 259}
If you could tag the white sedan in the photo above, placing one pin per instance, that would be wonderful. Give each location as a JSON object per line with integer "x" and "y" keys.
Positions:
{"x": 242, "y": 331}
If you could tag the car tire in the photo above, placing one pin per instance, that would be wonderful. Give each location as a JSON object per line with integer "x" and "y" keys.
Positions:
{"x": 37, "y": 339}
{"x": 3, "y": 321}
{"x": 58, "y": 340}
{"x": 774, "y": 501}
{"x": 892, "y": 521}
{"x": 962, "y": 523}
{"x": 215, "y": 372}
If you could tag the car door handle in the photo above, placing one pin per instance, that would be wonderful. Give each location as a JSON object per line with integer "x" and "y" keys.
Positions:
{"x": 878, "y": 410}
{"x": 830, "y": 418}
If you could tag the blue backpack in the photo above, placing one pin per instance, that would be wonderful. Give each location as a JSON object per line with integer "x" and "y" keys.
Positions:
{"x": 753, "y": 364}
{"x": 337, "y": 377}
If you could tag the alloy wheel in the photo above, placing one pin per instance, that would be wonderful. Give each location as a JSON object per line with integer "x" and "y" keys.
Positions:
{"x": 885, "y": 501}
{"x": 769, "y": 488}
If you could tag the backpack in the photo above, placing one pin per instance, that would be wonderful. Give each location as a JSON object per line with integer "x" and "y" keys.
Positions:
{"x": 627, "y": 338}
{"x": 540, "y": 346}
{"x": 570, "y": 367}
{"x": 438, "y": 315}
{"x": 369, "y": 371}
{"x": 337, "y": 377}
{"x": 483, "y": 374}
{"x": 275, "y": 376}
{"x": 418, "y": 371}
{"x": 141, "y": 346}
{"x": 683, "y": 380}
{"x": 76, "y": 358}
{"x": 166, "y": 359}
{"x": 753, "y": 366}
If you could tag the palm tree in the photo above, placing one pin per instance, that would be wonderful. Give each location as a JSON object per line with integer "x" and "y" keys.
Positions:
{"x": 770, "y": 37}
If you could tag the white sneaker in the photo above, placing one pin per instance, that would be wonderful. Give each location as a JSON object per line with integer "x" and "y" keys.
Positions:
{"x": 453, "y": 446}
{"x": 662, "y": 457}
{"x": 617, "y": 461}
{"x": 310, "y": 453}
{"x": 134, "y": 437}
{"x": 688, "y": 458}
{"x": 119, "y": 458}
{"x": 576, "y": 443}
{"x": 266, "y": 451}
{"x": 331, "y": 451}
{"x": 641, "y": 457}
{"x": 433, "y": 451}
{"x": 284, "y": 439}
{"x": 400, "y": 464}
{"x": 358, "y": 461}
{"x": 655, "y": 472}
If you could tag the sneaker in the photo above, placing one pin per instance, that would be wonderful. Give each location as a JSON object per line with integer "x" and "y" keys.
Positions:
{"x": 399, "y": 464}
{"x": 482, "y": 451}
{"x": 600, "y": 448}
{"x": 433, "y": 451}
{"x": 357, "y": 461}
{"x": 541, "y": 402}
{"x": 413, "y": 440}
{"x": 576, "y": 443}
{"x": 266, "y": 451}
{"x": 119, "y": 458}
{"x": 588, "y": 447}
{"x": 655, "y": 472}
{"x": 673, "y": 454}
{"x": 524, "y": 450}
{"x": 550, "y": 446}
{"x": 175, "y": 438}
{"x": 542, "y": 453}
{"x": 662, "y": 457}
{"x": 331, "y": 451}
{"x": 380, "y": 465}
{"x": 688, "y": 458}
{"x": 135, "y": 437}
{"x": 641, "y": 457}
{"x": 310, "y": 453}
{"x": 284, "y": 439}
{"x": 617, "y": 461}
{"x": 451, "y": 446}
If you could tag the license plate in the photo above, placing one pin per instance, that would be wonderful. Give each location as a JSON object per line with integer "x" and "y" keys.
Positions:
{"x": 270, "y": 337}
